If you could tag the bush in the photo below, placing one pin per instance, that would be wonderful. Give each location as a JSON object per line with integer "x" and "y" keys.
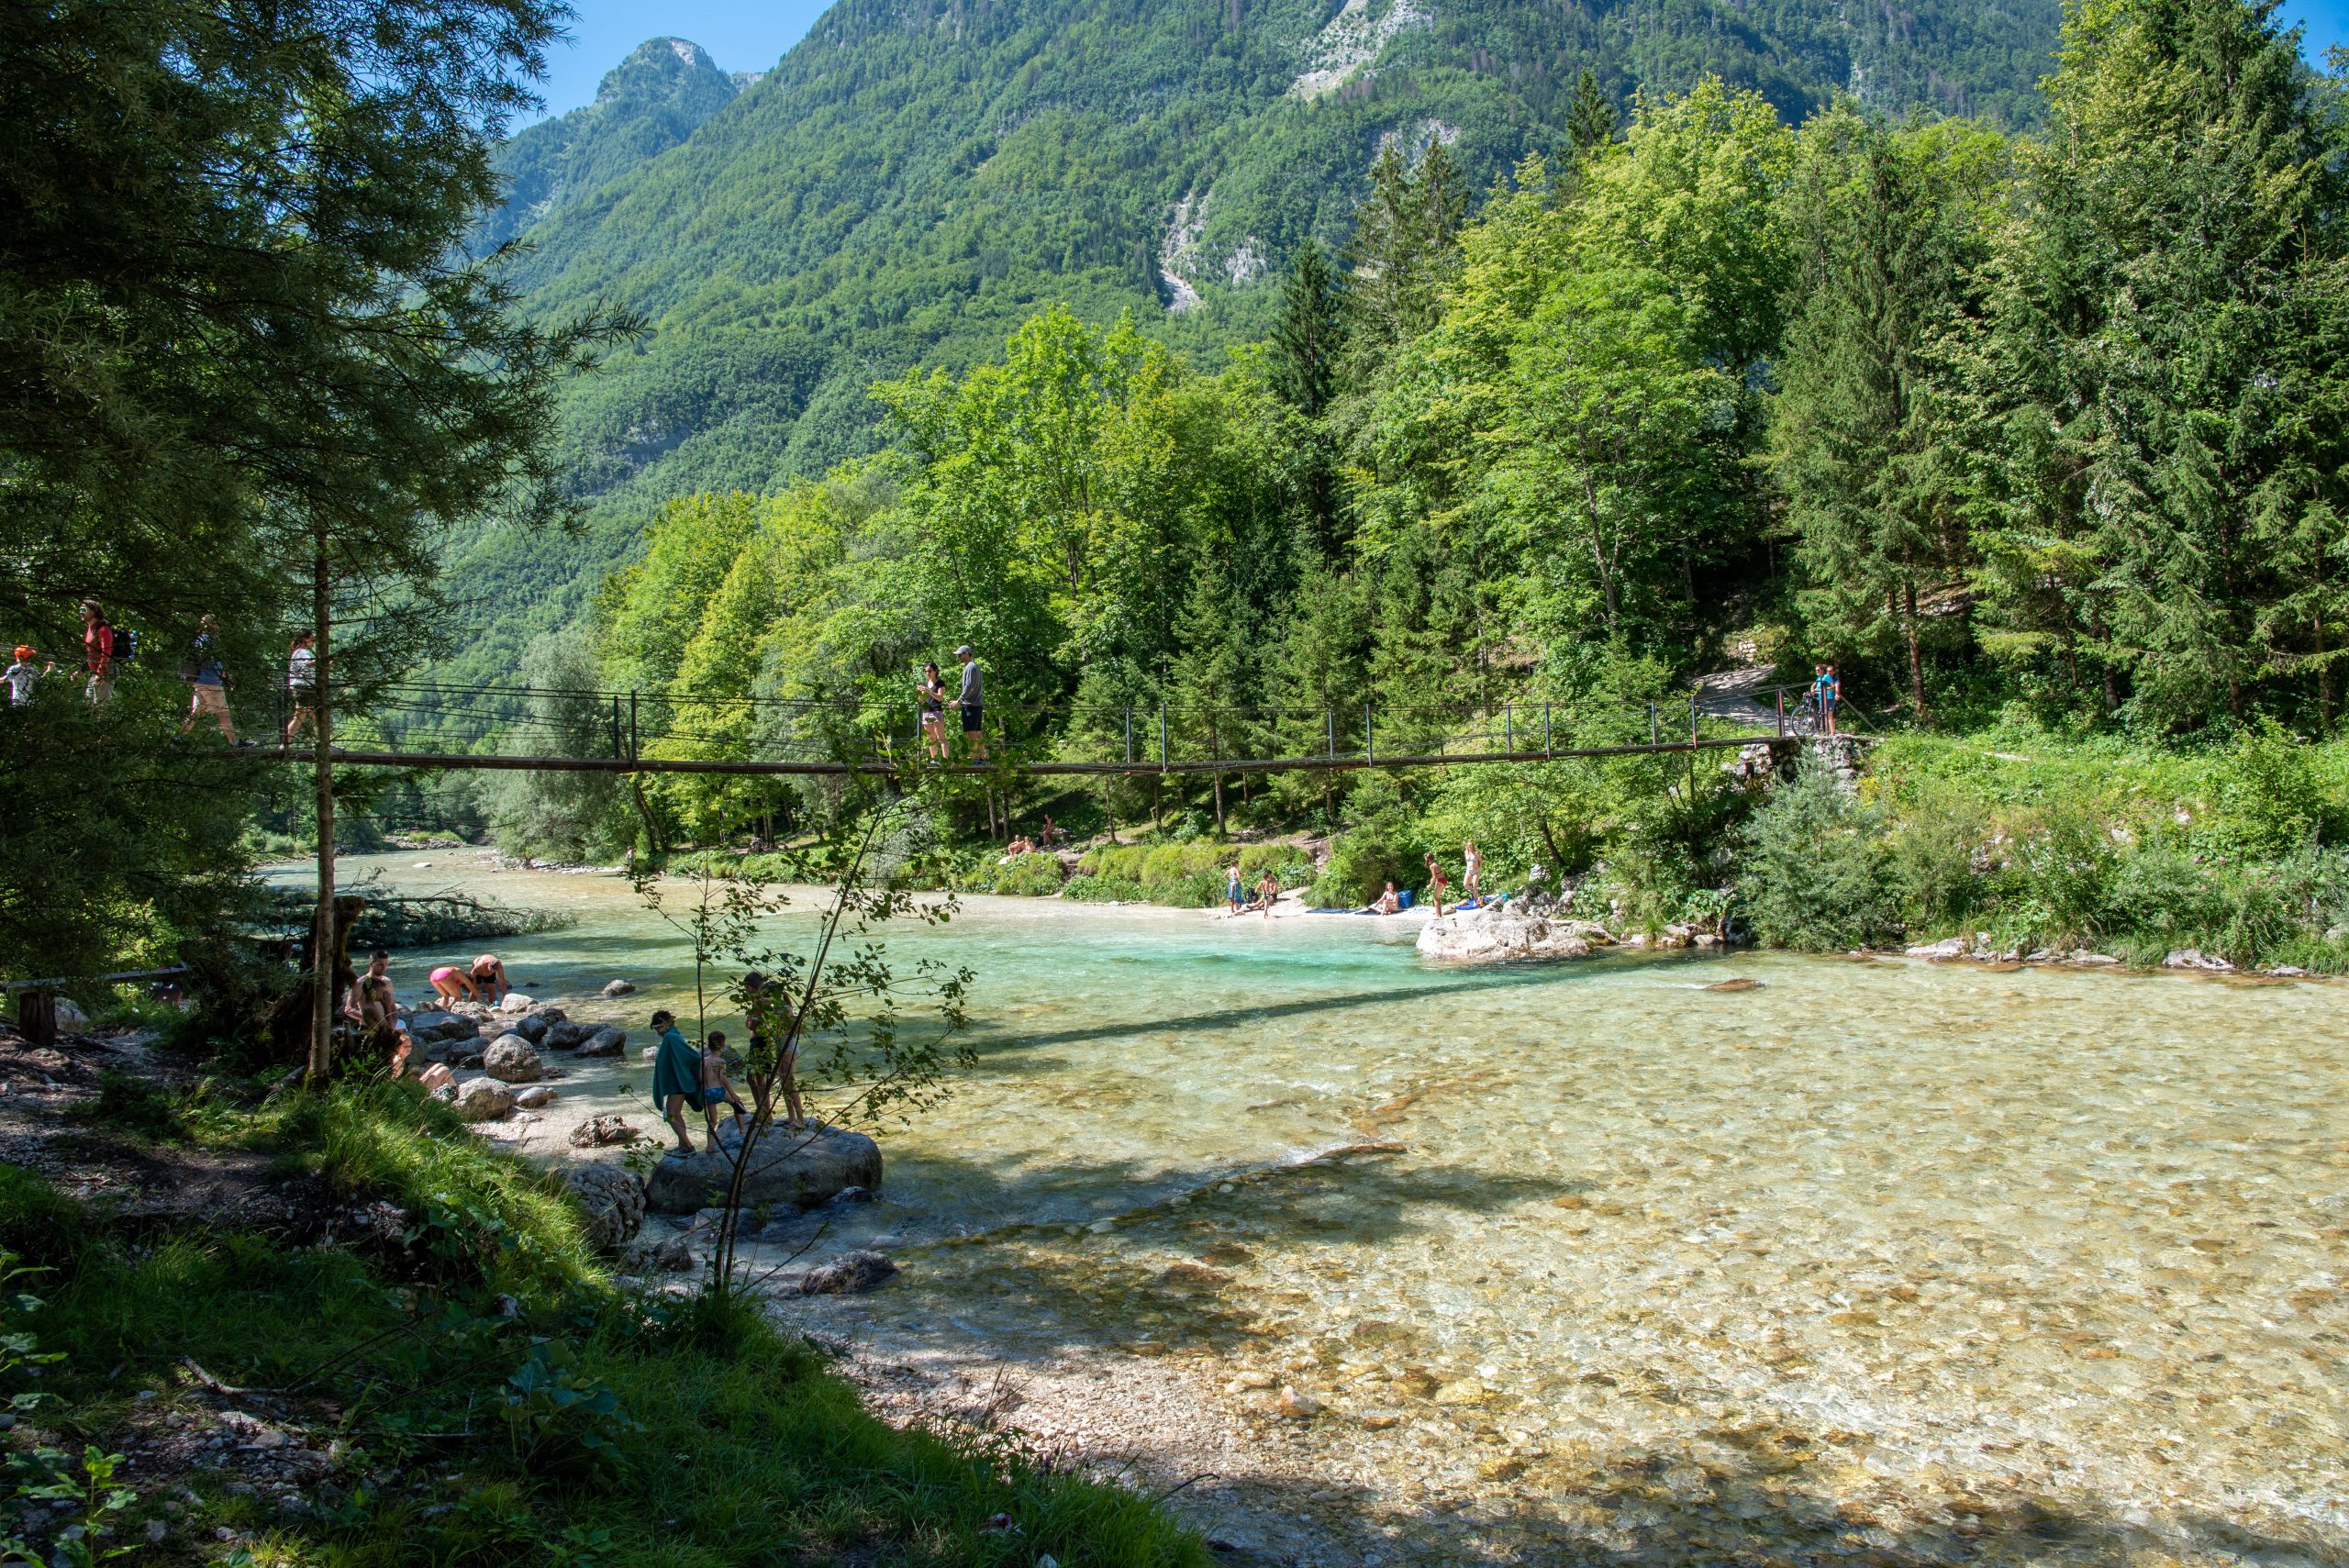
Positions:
{"x": 1106, "y": 890}
{"x": 2270, "y": 798}
{"x": 1361, "y": 865}
{"x": 2166, "y": 896}
{"x": 2063, "y": 871}
{"x": 1816, "y": 876}
{"x": 1933, "y": 858}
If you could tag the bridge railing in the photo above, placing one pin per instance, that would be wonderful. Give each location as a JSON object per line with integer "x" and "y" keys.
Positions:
{"x": 594, "y": 722}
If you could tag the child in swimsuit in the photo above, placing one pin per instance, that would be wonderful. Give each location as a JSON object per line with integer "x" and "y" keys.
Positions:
{"x": 715, "y": 1089}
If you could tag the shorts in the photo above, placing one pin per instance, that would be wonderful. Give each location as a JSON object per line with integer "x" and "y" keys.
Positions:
{"x": 99, "y": 688}
{"x": 704, "y": 1099}
{"x": 211, "y": 699}
{"x": 304, "y": 695}
{"x": 971, "y": 720}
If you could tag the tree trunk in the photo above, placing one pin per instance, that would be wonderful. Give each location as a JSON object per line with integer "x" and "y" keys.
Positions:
{"x": 1916, "y": 657}
{"x": 2323, "y": 680}
{"x": 323, "y": 945}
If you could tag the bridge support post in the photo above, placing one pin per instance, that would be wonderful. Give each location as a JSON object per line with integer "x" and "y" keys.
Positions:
{"x": 615, "y": 726}
{"x": 1162, "y": 738}
{"x": 1509, "y": 728}
{"x": 1330, "y": 722}
{"x": 1369, "y": 749}
{"x": 1782, "y": 711}
{"x": 634, "y": 752}
{"x": 1130, "y": 733}
{"x": 1692, "y": 719}
{"x": 1652, "y": 734}
{"x": 1545, "y": 729}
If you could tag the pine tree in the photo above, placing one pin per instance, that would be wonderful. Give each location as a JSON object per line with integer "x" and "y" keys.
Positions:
{"x": 1591, "y": 119}
{"x": 1893, "y": 223}
{"x": 1310, "y": 333}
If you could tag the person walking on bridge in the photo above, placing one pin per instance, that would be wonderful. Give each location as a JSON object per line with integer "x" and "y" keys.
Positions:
{"x": 207, "y": 682}
{"x": 97, "y": 653}
{"x": 970, "y": 704}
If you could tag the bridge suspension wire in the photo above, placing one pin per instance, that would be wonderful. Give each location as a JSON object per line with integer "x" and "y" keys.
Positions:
{"x": 434, "y": 727}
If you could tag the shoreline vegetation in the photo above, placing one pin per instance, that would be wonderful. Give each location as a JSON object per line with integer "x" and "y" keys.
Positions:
{"x": 426, "y": 1362}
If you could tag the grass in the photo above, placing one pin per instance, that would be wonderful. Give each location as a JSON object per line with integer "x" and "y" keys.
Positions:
{"x": 576, "y": 1423}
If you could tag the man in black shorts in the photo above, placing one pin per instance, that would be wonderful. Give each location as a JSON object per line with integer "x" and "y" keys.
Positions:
{"x": 969, "y": 703}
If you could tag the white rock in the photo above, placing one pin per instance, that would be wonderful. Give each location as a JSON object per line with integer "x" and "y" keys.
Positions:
{"x": 536, "y": 1098}
{"x": 1948, "y": 947}
{"x": 513, "y": 1059}
{"x": 484, "y": 1099}
{"x": 516, "y": 1002}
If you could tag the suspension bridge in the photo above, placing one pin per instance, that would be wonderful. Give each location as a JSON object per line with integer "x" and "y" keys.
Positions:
{"x": 586, "y": 730}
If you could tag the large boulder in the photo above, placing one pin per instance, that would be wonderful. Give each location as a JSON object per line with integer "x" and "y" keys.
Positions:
{"x": 803, "y": 1166}
{"x": 513, "y": 1060}
{"x": 620, "y": 988}
{"x": 605, "y": 1041}
{"x": 532, "y": 1029}
{"x": 484, "y": 1100}
{"x": 566, "y": 1035}
{"x": 1504, "y": 934}
{"x": 611, "y": 1199}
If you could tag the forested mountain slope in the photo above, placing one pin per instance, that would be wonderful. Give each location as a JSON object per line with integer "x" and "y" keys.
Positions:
{"x": 918, "y": 177}
{"x": 664, "y": 92}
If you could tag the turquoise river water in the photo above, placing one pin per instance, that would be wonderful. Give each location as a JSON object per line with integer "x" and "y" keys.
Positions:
{"x": 1872, "y": 1261}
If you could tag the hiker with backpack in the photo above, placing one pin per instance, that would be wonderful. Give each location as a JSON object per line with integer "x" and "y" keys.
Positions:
{"x": 207, "y": 681}
{"x": 103, "y": 652}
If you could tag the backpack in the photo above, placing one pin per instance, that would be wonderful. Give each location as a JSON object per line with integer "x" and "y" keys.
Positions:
{"x": 125, "y": 645}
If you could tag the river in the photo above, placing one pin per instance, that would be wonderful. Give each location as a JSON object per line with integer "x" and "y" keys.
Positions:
{"x": 1873, "y": 1260}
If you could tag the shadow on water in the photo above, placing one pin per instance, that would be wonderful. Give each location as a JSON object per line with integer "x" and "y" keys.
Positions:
{"x": 1161, "y": 1274}
{"x": 1753, "y": 1487}
{"x": 994, "y": 1037}
{"x": 1763, "y": 1493}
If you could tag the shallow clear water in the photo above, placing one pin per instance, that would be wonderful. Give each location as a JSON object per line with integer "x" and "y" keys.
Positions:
{"x": 1884, "y": 1260}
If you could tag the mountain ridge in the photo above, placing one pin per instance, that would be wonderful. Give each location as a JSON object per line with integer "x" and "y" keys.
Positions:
{"x": 915, "y": 177}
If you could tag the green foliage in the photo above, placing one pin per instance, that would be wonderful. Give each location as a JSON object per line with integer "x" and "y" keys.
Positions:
{"x": 1364, "y": 862}
{"x": 1814, "y": 876}
{"x": 608, "y": 1398}
{"x": 905, "y": 192}
{"x": 1017, "y": 876}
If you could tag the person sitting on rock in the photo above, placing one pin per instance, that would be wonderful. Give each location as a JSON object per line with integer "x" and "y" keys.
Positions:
{"x": 676, "y": 1077}
{"x": 372, "y": 1005}
{"x": 1268, "y": 891}
{"x": 715, "y": 1090}
{"x": 1387, "y": 903}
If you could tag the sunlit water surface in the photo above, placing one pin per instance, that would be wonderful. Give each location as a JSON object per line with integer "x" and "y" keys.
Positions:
{"x": 1876, "y": 1259}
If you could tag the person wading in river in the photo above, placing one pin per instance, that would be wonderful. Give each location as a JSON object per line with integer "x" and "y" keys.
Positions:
{"x": 676, "y": 1077}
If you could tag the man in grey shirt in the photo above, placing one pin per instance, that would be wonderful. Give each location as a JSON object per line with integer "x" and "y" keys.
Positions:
{"x": 969, "y": 705}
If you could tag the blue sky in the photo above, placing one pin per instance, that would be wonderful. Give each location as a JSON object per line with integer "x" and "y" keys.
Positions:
{"x": 751, "y": 35}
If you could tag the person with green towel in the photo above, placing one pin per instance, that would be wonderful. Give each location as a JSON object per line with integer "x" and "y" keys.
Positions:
{"x": 676, "y": 1077}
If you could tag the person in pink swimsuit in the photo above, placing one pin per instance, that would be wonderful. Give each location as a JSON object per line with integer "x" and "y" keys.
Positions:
{"x": 454, "y": 985}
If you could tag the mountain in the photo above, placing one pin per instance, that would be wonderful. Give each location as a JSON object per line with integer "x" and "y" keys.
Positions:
{"x": 916, "y": 176}
{"x": 664, "y": 92}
